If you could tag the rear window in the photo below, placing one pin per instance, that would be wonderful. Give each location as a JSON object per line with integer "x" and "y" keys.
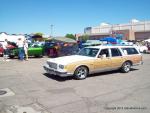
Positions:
{"x": 130, "y": 51}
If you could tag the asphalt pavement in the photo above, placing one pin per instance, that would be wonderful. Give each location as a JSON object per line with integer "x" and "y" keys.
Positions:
{"x": 30, "y": 90}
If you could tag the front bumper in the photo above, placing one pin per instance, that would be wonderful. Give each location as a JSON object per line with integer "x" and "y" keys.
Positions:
{"x": 55, "y": 72}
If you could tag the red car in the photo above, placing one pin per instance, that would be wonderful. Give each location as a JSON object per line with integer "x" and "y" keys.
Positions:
{"x": 2, "y": 50}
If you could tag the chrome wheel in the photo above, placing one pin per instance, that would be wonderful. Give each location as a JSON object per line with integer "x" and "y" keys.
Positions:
{"x": 81, "y": 73}
{"x": 126, "y": 67}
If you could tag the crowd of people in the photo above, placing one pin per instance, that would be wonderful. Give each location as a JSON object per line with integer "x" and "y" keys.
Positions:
{"x": 22, "y": 49}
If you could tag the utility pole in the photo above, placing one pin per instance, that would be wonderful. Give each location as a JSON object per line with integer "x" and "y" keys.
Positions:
{"x": 52, "y": 30}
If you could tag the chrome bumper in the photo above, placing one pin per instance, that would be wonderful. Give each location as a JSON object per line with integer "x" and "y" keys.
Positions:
{"x": 55, "y": 72}
{"x": 140, "y": 63}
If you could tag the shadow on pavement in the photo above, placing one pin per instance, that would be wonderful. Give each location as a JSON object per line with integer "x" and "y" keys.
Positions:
{"x": 133, "y": 69}
{"x": 109, "y": 72}
{"x": 61, "y": 79}
{"x": 57, "y": 78}
{"x": 30, "y": 57}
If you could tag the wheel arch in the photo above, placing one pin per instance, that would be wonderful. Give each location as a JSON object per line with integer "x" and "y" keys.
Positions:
{"x": 128, "y": 61}
{"x": 82, "y": 66}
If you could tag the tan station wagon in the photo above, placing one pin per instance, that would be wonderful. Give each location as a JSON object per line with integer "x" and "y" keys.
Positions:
{"x": 94, "y": 60}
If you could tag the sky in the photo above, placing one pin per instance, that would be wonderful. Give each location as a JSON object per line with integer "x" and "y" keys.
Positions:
{"x": 67, "y": 16}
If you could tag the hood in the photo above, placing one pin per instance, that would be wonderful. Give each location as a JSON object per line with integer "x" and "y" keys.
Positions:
{"x": 69, "y": 59}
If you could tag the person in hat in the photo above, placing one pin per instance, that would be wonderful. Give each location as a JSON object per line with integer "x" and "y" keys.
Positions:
{"x": 20, "y": 45}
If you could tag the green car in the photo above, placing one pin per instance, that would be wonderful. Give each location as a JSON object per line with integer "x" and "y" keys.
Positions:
{"x": 33, "y": 50}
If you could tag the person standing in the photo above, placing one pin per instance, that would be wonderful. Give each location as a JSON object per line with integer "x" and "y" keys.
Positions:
{"x": 20, "y": 45}
{"x": 26, "y": 49}
{"x": 5, "y": 45}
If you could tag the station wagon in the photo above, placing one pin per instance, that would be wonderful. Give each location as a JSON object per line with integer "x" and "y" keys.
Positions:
{"x": 94, "y": 59}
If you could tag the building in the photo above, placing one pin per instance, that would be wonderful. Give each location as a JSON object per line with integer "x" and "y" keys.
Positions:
{"x": 134, "y": 30}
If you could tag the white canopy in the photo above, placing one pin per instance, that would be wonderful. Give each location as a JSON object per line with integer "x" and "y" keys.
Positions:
{"x": 3, "y": 36}
{"x": 11, "y": 38}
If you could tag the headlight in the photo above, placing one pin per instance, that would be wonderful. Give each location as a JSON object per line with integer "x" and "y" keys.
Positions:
{"x": 61, "y": 66}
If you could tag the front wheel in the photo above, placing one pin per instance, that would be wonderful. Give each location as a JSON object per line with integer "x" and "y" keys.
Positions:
{"x": 81, "y": 73}
{"x": 126, "y": 67}
{"x": 38, "y": 56}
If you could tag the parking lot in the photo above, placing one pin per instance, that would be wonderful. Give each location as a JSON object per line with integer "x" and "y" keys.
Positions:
{"x": 31, "y": 89}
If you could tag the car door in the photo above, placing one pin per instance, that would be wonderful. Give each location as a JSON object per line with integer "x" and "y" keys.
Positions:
{"x": 116, "y": 58}
{"x": 102, "y": 62}
{"x": 35, "y": 50}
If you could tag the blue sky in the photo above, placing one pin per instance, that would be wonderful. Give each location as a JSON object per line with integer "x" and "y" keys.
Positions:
{"x": 67, "y": 16}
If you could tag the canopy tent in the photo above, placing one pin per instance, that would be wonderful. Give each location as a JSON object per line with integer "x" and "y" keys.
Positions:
{"x": 11, "y": 38}
{"x": 109, "y": 39}
{"x": 64, "y": 39}
{"x": 3, "y": 36}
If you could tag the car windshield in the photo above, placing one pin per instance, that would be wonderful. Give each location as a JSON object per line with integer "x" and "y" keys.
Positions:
{"x": 50, "y": 44}
{"x": 91, "y": 52}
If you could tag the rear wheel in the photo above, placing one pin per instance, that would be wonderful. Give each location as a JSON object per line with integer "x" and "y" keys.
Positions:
{"x": 12, "y": 56}
{"x": 81, "y": 73}
{"x": 1, "y": 55}
{"x": 126, "y": 67}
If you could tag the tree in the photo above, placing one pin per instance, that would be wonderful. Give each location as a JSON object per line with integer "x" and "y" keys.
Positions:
{"x": 70, "y": 36}
{"x": 38, "y": 36}
{"x": 84, "y": 38}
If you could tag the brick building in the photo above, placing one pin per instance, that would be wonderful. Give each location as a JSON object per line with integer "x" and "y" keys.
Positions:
{"x": 134, "y": 30}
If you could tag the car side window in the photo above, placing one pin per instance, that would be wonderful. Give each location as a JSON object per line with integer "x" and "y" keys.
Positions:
{"x": 130, "y": 51}
{"x": 115, "y": 52}
{"x": 104, "y": 52}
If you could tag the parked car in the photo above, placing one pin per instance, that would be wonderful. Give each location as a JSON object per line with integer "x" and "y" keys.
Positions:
{"x": 10, "y": 46}
{"x": 50, "y": 49}
{"x": 141, "y": 48}
{"x": 1, "y": 50}
{"x": 33, "y": 50}
{"x": 92, "y": 43}
{"x": 94, "y": 60}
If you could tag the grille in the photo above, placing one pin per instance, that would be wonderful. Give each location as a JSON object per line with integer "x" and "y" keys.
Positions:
{"x": 52, "y": 65}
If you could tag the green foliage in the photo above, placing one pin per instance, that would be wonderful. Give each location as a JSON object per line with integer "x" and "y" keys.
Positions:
{"x": 84, "y": 38}
{"x": 39, "y": 34}
{"x": 70, "y": 36}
